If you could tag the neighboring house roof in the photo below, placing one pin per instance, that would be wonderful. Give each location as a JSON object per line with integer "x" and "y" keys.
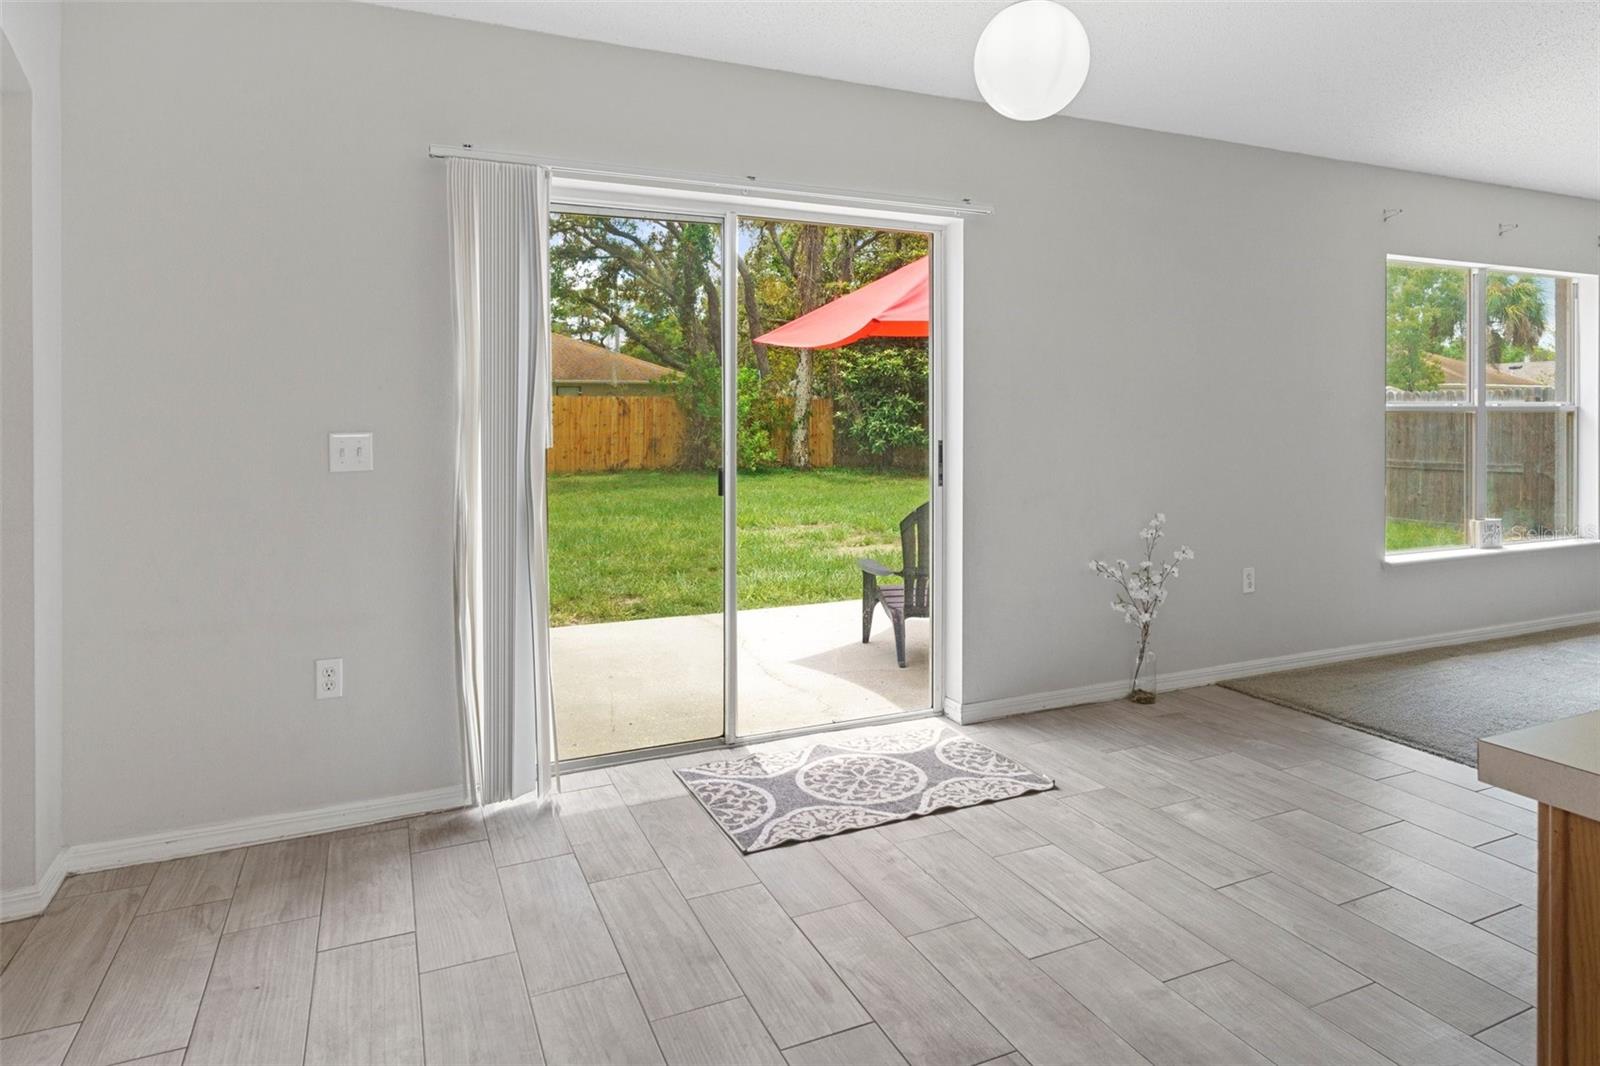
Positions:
{"x": 575, "y": 360}
{"x": 1455, "y": 373}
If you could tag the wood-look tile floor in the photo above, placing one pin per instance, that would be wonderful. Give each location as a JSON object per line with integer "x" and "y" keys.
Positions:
{"x": 1217, "y": 880}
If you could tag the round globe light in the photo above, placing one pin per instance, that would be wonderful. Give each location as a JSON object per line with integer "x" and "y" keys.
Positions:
{"x": 1031, "y": 60}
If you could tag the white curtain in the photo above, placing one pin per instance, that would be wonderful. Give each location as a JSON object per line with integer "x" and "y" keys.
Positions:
{"x": 499, "y": 228}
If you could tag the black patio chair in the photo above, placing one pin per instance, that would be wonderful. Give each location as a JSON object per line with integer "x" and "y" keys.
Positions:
{"x": 912, "y": 598}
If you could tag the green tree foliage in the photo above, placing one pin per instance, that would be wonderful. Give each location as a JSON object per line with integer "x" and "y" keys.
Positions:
{"x": 699, "y": 394}
{"x": 1427, "y": 316}
{"x": 658, "y": 284}
{"x": 1518, "y": 314}
{"x": 886, "y": 406}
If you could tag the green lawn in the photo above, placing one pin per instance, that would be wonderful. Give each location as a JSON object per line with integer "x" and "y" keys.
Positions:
{"x": 648, "y": 544}
{"x": 1404, "y": 535}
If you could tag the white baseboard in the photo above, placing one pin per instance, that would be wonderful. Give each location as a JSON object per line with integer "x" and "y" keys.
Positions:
{"x": 984, "y": 710}
{"x": 110, "y": 854}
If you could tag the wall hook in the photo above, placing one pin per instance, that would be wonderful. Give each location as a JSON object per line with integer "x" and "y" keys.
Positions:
{"x": 1505, "y": 228}
{"x": 1390, "y": 212}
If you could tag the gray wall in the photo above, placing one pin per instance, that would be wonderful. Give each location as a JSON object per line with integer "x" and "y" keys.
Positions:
{"x": 255, "y": 256}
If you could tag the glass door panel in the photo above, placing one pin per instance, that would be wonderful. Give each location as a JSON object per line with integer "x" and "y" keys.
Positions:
{"x": 832, "y": 506}
{"x": 633, "y": 498}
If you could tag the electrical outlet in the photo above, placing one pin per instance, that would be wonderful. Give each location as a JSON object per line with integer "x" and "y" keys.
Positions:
{"x": 349, "y": 453}
{"x": 1249, "y": 583}
{"x": 330, "y": 679}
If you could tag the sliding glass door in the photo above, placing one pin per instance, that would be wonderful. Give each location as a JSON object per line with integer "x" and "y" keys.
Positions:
{"x": 633, "y": 497}
{"x": 741, "y": 482}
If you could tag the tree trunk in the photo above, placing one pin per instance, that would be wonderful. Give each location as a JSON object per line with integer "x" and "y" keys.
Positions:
{"x": 808, "y": 291}
{"x": 752, "y": 317}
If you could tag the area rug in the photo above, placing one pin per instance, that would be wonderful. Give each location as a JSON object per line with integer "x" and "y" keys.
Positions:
{"x": 1443, "y": 699}
{"x": 853, "y": 781}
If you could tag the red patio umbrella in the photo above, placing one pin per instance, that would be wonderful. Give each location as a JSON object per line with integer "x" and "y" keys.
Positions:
{"x": 896, "y": 305}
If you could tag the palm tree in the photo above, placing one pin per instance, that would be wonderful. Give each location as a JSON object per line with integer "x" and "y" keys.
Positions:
{"x": 1516, "y": 313}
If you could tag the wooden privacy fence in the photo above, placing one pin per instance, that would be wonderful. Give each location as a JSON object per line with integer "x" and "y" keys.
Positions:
{"x": 594, "y": 434}
{"x": 1426, "y": 458}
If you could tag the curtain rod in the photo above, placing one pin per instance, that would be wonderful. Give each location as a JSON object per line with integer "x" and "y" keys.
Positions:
{"x": 700, "y": 183}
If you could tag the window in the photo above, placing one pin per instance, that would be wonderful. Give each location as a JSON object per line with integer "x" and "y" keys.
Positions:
{"x": 1480, "y": 414}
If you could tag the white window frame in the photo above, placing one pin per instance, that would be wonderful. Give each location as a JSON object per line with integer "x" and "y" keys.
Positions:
{"x": 1576, "y": 403}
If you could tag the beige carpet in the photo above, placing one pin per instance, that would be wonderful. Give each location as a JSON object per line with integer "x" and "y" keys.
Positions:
{"x": 1443, "y": 699}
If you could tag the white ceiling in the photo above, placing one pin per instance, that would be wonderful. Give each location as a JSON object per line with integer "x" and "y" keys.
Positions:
{"x": 1504, "y": 92}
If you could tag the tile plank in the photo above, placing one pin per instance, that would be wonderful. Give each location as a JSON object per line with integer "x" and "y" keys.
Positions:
{"x": 1328, "y": 878}
{"x": 108, "y": 880}
{"x": 885, "y": 877}
{"x": 1304, "y": 972}
{"x": 604, "y": 835}
{"x": 1134, "y": 928}
{"x": 991, "y": 827}
{"x": 1524, "y": 851}
{"x": 1476, "y": 804}
{"x": 479, "y": 1013}
{"x": 717, "y": 1035}
{"x": 46, "y": 1047}
{"x": 559, "y": 933}
{"x": 693, "y": 848}
{"x": 1475, "y": 950}
{"x": 446, "y": 829}
{"x": 599, "y": 1024}
{"x": 1029, "y": 1009}
{"x": 1024, "y": 915}
{"x": 788, "y": 984}
{"x": 1516, "y": 1038}
{"x": 929, "y": 1022}
{"x": 1159, "y": 1023}
{"x": 801, "y": 879}
{"x": 279, "y": 882}
{"x": 367, "y": 893}
{"x": 365, "y": 1006}
{"x": 1445, "y": 991}
{"x": 673, "y": 965}
{"x": 257, "y": 1001}
{"x": 525, "y": 831}
{"x": 151, "y": 993}
{"x": 1164, "y": 837}
{"x": 55, "y": 974}
{"x": 1405, "y": 1032}
{"x": 195, "y": 880}
{"x": 646, "y": 782}
{"x": 1325, "y": 803}
{"x": 461, "y": 916}
{"x": 1412, "y": 808}
{"x": 12, "y": 934}
{"x": 1394, "y": 868}
{"x": 1519, "y": 925}
{"x": 1271, "y": 1022}
{"x": 1078, "y": 835}
{"x": 864, "y": 1046}
{"x": 1468, "y": 863}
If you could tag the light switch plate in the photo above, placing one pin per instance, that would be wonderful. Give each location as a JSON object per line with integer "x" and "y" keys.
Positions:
{"x": 349, "y": 453}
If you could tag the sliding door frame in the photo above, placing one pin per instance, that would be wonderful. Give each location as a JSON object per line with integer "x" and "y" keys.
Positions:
{"x": 584, "y": 196}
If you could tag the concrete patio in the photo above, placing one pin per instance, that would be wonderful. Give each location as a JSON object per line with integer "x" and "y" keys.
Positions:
{"x": 628, "y": 685}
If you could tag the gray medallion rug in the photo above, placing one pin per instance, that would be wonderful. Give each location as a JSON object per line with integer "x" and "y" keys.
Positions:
{"x": 853, "y": 781}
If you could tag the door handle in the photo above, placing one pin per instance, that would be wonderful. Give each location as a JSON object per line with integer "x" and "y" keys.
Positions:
{"x": 719, "y": 481}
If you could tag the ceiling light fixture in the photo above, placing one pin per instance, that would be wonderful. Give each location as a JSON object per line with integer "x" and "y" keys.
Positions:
{"x": 1031, "y": 60}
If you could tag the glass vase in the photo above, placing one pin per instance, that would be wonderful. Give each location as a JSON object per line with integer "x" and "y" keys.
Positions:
{"x": 1143, "y": 689}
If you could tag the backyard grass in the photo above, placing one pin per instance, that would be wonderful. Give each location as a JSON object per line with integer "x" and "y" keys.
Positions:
{"x": 648, "y": 544}
{"x": 1402, "y": 534}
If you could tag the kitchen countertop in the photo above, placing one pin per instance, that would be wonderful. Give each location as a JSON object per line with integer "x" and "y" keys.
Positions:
{"x": 1557, "y": 763}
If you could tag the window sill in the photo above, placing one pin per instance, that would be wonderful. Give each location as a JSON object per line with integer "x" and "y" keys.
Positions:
{"x": 1399, "y": 559}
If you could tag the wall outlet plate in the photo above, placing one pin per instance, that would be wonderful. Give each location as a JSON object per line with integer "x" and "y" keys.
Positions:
{"x": 330, "y": 679}
{"x": 1487, "y": 533}
{"x": 1247, "y": 582}
{"x": 349, "y": 453}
